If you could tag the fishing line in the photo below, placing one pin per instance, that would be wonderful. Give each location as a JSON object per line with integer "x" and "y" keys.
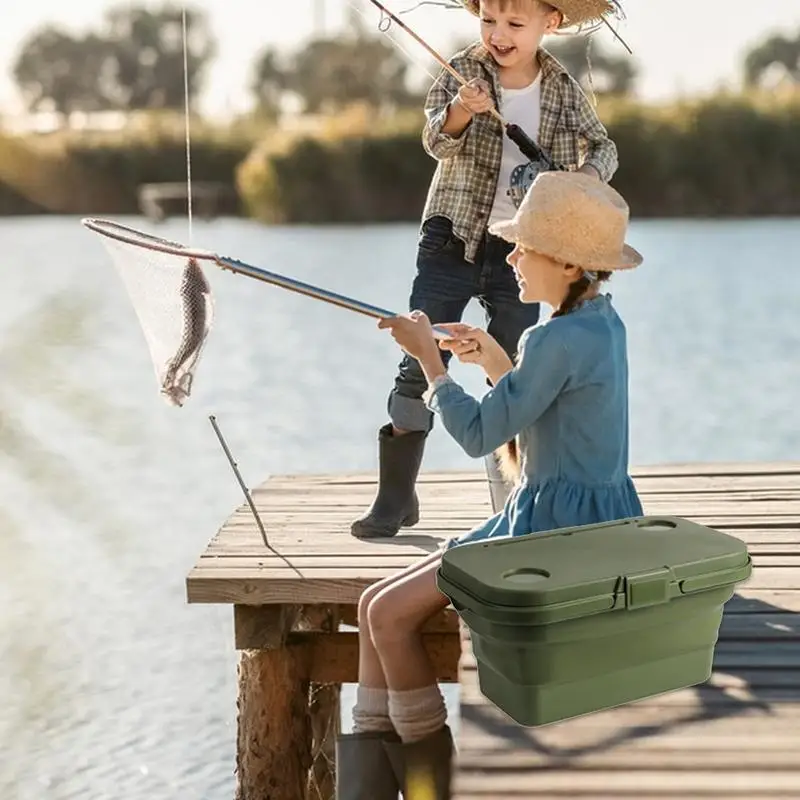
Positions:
{"x": 384, "y": 26}
{"x": 192, "y": 262}
{"x": 187, "y": 120}
{"x": 219, "y": 627}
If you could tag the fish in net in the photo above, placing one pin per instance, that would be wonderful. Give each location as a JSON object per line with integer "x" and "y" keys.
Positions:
{"x": 173, "y": 300}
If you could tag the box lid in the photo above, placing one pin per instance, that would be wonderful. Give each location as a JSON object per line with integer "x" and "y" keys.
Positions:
{"x": 645, "y": 560}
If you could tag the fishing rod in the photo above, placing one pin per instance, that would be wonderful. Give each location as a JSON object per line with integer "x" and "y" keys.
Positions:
{"x": 131, "y": 236}
{"x": 526, "y": 145}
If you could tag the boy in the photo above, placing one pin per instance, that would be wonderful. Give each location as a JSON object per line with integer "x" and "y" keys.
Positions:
{"x": 480, "y": 177}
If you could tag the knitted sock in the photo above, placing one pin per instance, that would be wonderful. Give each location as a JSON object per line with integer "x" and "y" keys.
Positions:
{"x": 371, "y": 711}
{"x": 417, "y": 713}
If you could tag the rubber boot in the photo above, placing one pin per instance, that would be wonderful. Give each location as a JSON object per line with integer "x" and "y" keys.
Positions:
{"x": 396, "y": 504}
{"x": 363, "y": 769}
{"x": 499, "y": 487}
{"x": 424, "y": 768}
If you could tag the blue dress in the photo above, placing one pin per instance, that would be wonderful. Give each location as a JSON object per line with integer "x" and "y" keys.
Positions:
{"x": 567, "y": 399}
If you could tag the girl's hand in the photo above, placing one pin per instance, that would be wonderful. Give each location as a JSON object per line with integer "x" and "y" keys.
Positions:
{"x": 472, "y": 345}
{"x": 476, "y": 96}
{"x": 413, "y": 332}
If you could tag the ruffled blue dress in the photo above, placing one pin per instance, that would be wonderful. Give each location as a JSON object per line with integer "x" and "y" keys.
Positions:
{"x": 567, "y": 400}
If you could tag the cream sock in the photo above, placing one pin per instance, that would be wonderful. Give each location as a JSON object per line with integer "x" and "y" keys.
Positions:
{"x": 417, "y": 713}
{"x": 371, "y": 711}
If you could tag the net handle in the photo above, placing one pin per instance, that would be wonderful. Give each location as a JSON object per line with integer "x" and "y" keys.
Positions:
{"x": 131, "y": 236}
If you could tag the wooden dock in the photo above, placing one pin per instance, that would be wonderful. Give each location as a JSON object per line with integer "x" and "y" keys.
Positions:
{"x": 735, "y": 737}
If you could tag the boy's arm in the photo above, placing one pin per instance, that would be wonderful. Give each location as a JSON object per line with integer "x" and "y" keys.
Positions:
{"x": 602, "y": 157}
{"x": 435, "y": 141}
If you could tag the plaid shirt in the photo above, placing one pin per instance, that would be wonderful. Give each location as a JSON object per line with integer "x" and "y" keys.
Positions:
{"x": 464, "y": 184}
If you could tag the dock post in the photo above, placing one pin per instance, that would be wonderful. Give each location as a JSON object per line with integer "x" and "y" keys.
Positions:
{"x": 287, "y": 723}
{"x": 325, "y": 713}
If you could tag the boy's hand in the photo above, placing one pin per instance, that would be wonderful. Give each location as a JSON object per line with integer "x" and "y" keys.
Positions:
{"x": 476, "y": 97}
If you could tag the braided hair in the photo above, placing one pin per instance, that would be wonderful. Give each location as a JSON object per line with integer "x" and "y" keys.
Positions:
{"x": 508, "y": 454}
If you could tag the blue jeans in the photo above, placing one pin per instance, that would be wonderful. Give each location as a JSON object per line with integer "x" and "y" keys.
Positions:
{"x": 444, "y": 284}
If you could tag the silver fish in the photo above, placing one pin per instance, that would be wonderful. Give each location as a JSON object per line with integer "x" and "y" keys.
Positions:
{"x": 197, "y": 303}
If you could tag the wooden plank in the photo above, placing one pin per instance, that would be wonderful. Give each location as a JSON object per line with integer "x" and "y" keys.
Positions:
{"x": 681, "y": 469}
{"x": 763, "y": 578}
{"x": 461, "y": 518}
{"x": 783, "y": 756}
{"x": 719, "y": 468}
{"x": 336, "y": 585}
{"x": 474, "y": 494}
{"x": 391, "y": 560}
{"x": 247, "y": 541}
{"x": 741, "y": 625}
{"x": 584, "y": 783}
{"x": 231, "y": 554}
{"x": 705, "y": 698}
{"x": 760, "y": 601}
{"x": 474, "y": 498}
{"x": 643, "y": 724}
{"x": 728, "y": 655}
{"x": 333, "y": 657}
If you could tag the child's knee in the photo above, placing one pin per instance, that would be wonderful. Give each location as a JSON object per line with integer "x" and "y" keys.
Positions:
{"x": 383, "y": 617}
{"x": 364, "y": 602}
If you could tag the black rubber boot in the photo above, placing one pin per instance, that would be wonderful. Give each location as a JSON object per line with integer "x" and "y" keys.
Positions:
{"x": 424, "y": 768}
{"x": 363, "y": 769}
{"x": 396, "y": 505}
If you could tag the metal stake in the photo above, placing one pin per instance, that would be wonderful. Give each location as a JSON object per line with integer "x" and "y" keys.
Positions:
{"x": 235, "y": 469}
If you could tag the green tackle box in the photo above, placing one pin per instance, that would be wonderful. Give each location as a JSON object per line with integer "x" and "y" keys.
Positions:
{"x": 586, "y": 618}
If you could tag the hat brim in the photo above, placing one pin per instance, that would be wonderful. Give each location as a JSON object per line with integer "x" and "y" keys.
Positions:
{"x": 582, "y": 11}
{"x": 628, "y": 258}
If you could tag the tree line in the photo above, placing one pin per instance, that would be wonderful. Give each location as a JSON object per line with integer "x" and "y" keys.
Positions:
{"x": 133, "y": 61}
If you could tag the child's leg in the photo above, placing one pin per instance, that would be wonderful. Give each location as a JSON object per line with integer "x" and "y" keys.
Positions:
{"x": 442, "y": 288}
{"x": 396, "y": 615}
{"x": 369, "y": 766}
{"x": 371, "y": 711}
{"x": 507, "y": 317}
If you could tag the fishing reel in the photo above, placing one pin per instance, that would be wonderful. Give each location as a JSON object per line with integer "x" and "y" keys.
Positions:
{"x": 522, "y": 177}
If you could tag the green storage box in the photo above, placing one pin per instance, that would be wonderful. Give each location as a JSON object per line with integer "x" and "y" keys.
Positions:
{"x": 586, "y": 618}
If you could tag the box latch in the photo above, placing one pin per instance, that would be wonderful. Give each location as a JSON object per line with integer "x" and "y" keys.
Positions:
{"x": 651, "y": 588}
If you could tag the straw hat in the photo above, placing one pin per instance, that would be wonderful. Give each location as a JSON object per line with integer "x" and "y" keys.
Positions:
{"x": 575, "y": 219}
{"x": 575, "y": 12}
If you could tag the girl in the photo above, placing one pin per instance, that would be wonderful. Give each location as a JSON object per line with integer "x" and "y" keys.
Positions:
{"x": 566, "y": 399}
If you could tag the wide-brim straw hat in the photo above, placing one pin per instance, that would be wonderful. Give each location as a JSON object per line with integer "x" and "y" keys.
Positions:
{"x": 575, "y": 219}
{"x": 575, "y": 12}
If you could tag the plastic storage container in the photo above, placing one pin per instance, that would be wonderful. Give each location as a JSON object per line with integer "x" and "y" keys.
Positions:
{"x": 582, "y": 619}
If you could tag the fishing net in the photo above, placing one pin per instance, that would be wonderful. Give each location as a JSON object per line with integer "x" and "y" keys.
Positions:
{"x": 174, "y": 304}
{"x": 171, "y": 297}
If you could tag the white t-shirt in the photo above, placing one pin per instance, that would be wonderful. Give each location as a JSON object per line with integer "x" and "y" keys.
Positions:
{"x": 520, "y": 106}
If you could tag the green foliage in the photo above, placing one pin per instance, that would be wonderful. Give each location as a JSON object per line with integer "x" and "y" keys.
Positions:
{"x": 596, "y": 68}
{"x": 729, "y": 155}
{"x": 329, "y": 74}
{"x": 133, "y": 61}
{"x": 779, "y": 53}
{"x": 724, "y": 156}
{"x": 100, "y": 173}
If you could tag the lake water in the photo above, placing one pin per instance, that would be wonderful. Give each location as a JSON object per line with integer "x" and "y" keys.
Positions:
{"x": 111, "y": 686}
